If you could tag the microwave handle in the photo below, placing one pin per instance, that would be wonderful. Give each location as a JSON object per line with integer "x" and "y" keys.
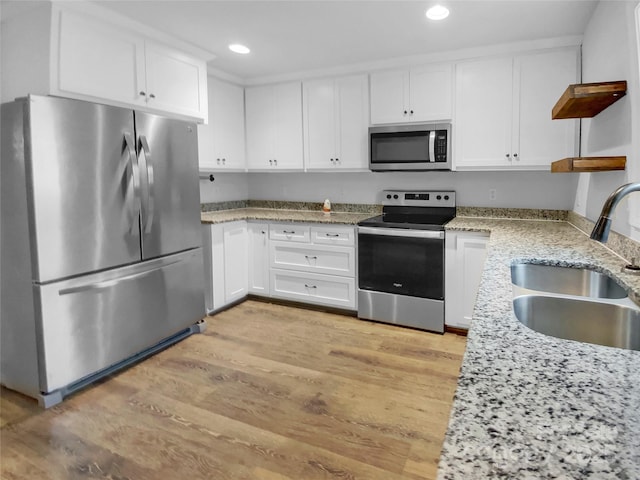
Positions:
{"x": 432, "y": 146}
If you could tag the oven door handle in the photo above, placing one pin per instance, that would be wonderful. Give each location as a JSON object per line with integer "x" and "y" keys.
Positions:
{"x": 401, "y": 232}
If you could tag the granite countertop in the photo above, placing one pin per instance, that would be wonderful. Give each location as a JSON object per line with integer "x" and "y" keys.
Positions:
{"x": 530, "y": 406}
{"x": 283, "y": 215}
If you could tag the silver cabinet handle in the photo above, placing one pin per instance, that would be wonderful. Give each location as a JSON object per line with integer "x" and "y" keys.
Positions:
{"x": 152, "y": 96}
{"x": 270, "y": 162}
{"x": 289, "y": 232}
{"x": 332, "y": 234}
{"x": 150, "y": 184}
{"x": 143, "y": 93}
{"x": 432, "y": 145}
{"x": 310, "y": 286}
{"x": 310, "y": 257}
{"x": 275, "y": 162}
{"x": 508, "y": 155}
{"x": 135, "y": 178}
{"x": 515, "y": 155}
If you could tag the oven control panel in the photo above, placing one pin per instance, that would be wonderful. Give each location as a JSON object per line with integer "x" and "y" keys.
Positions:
{"x": 419, "y": 198}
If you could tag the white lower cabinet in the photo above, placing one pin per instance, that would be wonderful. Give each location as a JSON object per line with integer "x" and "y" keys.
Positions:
{"x": 465, "y": 255}
{"x": 258, "y": 239}
{"x": 313, "y": 264}
{"x": 229, "y": 262}
{"x": 313, "y": 288}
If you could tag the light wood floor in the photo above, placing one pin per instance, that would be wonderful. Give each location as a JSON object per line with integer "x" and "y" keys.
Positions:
{"x": 268, "y": 392}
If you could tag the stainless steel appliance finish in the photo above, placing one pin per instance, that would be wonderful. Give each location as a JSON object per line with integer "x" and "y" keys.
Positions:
{"x": 580, "y": 320}
{"x": 401, "y": 260}
{"x": 415, "y": 147}
{"x": 101, "y": 247}
{"x": 565, "y": 280}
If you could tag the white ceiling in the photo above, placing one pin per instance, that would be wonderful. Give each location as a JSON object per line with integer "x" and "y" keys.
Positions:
{"x": 303, "y": 35}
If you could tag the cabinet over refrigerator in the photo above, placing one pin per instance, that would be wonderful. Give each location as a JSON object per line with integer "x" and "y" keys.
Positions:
{"x": 101, "y": 248}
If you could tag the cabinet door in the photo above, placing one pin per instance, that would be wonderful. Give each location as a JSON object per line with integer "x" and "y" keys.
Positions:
{"x": 539, "y": 80}
{"x": 482, "y": 128}
{"x": 100, "y": 61}
{"x": 430, "y": 93}
{"x": 260, "y": 122}
{"x": 388, "y": 93}
{"x": 175, "y": 82}
{"x": 221, "y": 141}
{"x": 465, "y": 255}
{"x": 288, "y": 122}
{"x": 352, "y": 109}
{"x": 235, "y": 261}
{"x": 258, "y": 239}
{"x": 320, "y": 129}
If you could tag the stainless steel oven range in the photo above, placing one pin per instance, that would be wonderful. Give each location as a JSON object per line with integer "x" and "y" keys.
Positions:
{"x": 401, "y": 259}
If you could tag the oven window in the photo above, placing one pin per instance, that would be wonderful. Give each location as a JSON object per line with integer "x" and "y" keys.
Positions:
{"x": 401, "y": 265}
{"x": 400, "y": 147}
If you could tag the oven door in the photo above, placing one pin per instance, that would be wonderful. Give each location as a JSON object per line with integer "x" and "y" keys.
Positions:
{"x": 401, "y": 261}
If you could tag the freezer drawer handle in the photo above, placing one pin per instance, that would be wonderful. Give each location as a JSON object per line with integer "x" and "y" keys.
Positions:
{"x": 149, "y": 211}
{"x": 110, "y": 283}
{"x": 135, "y": 176}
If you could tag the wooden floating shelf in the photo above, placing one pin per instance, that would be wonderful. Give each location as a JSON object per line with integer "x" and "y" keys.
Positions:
{"x": 586, "y": 100}
{"x": 588, "y": 164}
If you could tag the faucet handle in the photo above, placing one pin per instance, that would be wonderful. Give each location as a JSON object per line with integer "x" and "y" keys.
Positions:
{"x": 632, "y": 268}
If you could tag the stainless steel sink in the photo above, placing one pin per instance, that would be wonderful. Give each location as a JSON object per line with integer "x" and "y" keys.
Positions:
{"x": 565, "y": 281}
{"x": 587, "y": 321}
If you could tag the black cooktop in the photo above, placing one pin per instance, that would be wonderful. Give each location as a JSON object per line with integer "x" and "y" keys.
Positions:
{"x": 416, "y": 218}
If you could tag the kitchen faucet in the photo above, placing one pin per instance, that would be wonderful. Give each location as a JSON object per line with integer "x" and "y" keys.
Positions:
{"x": 603, "y": 225}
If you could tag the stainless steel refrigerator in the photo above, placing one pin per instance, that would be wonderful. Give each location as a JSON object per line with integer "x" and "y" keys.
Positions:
{"x": 101, "y": 258}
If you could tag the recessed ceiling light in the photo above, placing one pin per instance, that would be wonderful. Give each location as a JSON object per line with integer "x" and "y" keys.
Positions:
{"x": 437, "y": 12}
{"x": 237, "y": 48}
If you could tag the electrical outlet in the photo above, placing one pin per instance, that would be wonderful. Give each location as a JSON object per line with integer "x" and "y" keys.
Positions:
{"x": 492, "y": 194}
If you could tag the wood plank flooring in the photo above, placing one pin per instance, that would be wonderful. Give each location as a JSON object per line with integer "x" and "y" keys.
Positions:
{"x": 269, "y": 392}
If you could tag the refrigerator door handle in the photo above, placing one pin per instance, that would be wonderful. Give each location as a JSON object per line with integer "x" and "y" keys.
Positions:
{"x": 135, "y": 176}
{"x": 148, "y": 221}
{"x": 95, "y": 286}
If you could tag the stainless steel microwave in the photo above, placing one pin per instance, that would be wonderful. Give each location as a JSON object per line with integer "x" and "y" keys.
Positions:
{"x": 424, "y": 146}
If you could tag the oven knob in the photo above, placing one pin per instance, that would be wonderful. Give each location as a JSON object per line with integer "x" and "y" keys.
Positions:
{"x": 446, "y": 197}
{"x": 389, "y": 197}
{"x": 395, "y": 197}
{"x": 439, "y": 197}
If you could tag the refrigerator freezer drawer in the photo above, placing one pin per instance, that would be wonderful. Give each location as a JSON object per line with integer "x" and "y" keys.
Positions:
{"x": 95, "y": 321}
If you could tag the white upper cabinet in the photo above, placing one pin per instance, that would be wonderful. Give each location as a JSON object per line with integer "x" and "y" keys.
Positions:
{"x": 175, "y": 82}
{"x": 274, "y": 127}
{"x": 417, "y": 95}
{"x": 103, "y": 61}
{"x": 70, "y": 50}
{"x": 100, "y": 61}
{"x": 221, "y": 142}
{"x": 503, "y": 111}
{"x": 335, "y": 115}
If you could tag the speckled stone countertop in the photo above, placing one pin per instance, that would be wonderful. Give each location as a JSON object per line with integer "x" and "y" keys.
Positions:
{"x": 283, "y": 215}
{"x": 530, "y": 406}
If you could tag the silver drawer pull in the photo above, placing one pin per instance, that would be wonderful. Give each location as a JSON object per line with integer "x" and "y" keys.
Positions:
{"x": 310, "y": 258}
{"x": 398, "y": 285}
{"x": 310, "y": 286}
{"x": 288, "y": 232}
{"x": 332, "y": 234}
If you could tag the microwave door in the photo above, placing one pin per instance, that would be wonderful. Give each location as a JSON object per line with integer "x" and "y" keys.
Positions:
{"x": 432, "y": 146}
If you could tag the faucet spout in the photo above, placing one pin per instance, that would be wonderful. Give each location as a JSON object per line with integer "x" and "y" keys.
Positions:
{"x": 602, "y": 228}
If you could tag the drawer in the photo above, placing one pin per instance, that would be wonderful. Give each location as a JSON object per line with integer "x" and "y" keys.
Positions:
{"x": 313, "y": 288}
{"x": 332, "y": 260}
{"x": 338, "y": 235}
{"x": 290, "y": 233}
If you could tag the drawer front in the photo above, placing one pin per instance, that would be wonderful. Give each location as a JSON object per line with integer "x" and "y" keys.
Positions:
{"x": 313, "y": 258}
{"x": 338, "y": 235}
{"x": 313, "y": 288}
{"x": 290, "y": 233}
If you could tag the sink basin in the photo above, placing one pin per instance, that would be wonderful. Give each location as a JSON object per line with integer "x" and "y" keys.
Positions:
{"x": 607, "y": 324}
{"x": 566, "y": 281}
